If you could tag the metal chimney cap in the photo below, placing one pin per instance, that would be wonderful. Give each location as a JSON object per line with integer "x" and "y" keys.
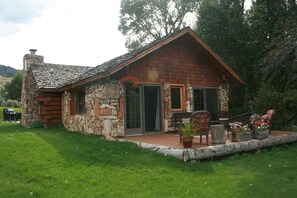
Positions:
{"x": 32, "y": 52}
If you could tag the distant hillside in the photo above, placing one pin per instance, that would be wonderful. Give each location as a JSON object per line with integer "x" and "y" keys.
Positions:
{"x": 7, "y": 71}
{"x": 3, "y": 81}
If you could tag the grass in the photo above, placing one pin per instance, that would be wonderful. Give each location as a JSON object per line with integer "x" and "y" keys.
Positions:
{"x": 57, "y": 163}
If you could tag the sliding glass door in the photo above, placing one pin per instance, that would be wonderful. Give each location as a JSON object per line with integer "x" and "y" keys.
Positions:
{"x": 206, "y": 99}
{"x": 143, "y": 109}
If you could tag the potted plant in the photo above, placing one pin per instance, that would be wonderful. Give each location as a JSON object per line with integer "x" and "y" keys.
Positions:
{"x": 261, "y": 131}
{"x": 39, "y": 100}
{"x": 240, "y": 133}
{"x": 255, "y": 119}
{"x": 129, "y": 81}
{"x": 186, "y": 132}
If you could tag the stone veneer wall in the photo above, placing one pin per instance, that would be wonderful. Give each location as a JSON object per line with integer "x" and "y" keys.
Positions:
{"x": 223, "y": 95}
{"x": 31, "y": 110}
{"x": 104, "y": 111}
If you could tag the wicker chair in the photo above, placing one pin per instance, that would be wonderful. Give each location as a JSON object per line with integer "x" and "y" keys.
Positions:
{"x": 267, "y": 118}
{"x": 201, "y": 121}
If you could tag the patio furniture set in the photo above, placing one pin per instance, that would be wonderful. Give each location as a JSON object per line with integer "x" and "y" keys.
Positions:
{"x": 10, "y": 115}
{"x": 243, "y": 127}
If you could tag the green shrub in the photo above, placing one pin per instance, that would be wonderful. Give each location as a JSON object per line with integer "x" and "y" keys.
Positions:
{"x": 36, "y": 124}
{"x": 284, "y": 104}
{"x": 289, "y": 100}
{"x": 267, "y": 98}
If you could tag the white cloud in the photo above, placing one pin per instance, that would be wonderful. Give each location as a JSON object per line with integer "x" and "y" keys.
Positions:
{"x": 14, "y": 13}
{"x": 69, "y": 32}
{"x": 248, "y": 4}
{"x": 20, "y": 11}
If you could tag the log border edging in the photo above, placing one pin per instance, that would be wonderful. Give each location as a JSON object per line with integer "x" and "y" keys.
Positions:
{"x": 220, "y": 150}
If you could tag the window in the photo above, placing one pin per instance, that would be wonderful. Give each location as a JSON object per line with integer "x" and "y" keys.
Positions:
{"x": 177, "y": 102}
{"x": 78, "y": 103}
{"x": 206, "y": 99}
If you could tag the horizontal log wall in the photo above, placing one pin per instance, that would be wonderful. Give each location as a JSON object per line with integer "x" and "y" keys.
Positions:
{"x": 51, "y": 109}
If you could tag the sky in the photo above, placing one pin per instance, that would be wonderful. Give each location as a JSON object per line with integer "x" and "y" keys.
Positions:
{"x": 74, "y": 32}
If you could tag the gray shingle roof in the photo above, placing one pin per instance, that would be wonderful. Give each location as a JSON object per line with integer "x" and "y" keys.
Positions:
{"x": 63, "y": 75}
{"x": 56, "y": 75}
{"x": 106, "y": 66}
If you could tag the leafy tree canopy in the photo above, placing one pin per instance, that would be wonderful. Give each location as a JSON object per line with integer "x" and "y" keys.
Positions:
{"x": 144, "y": 21}
{"x": 13, "y": 89}
{"x": 280, "y": 62}
{"x": 221, "y": 25}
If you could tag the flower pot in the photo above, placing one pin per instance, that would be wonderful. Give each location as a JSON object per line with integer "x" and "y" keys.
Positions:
{"x": 187, "y": 142}
{"x": 241, "y": 136}
{"x": 260, "y": 134}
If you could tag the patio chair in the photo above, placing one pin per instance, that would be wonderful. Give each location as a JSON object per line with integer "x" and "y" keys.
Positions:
{"x": 267, "y": 118}
{"x": 201, "y": 121}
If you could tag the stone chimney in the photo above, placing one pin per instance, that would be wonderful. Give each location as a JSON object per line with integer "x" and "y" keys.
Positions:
{"x": 32, "y": 59}
{"x": 30, "y": 90}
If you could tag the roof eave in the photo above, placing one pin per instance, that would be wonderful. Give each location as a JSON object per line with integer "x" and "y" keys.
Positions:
{"x": 150, "y": 50}
{"x": 49, "y": 90}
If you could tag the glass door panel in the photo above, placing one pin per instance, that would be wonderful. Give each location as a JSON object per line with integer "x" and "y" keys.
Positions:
{"x": 152, "y": 108}
{"x": 133, "y": 111}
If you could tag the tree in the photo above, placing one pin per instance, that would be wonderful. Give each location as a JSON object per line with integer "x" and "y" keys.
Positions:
{"x": 279, "y": 55}
{"x": 144, "y": 21}
{"x": 223, "y": 25}
{"x": 280, "y": 61}
{"x": 274, "y": 26}
{"x": 259, "y": 44}
{"x": 13, "y": 89}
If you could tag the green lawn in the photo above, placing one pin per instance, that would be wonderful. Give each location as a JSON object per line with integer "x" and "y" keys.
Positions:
{"x": 58, "y": 163}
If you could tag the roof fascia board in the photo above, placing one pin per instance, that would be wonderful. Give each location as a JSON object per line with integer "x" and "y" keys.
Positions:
{"x": 48, "y": 90}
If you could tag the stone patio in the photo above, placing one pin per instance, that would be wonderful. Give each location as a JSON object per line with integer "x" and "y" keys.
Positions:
{"x": 168, "y": 144}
